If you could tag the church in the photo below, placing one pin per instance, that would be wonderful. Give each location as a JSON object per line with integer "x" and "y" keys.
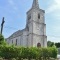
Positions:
{"x": 34, "y": 34}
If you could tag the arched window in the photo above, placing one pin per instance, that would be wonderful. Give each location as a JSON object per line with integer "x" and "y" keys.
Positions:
{"x": 38, "y": 45}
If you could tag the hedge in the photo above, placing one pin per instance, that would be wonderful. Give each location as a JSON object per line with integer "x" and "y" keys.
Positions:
{"x": 9, "y": 52}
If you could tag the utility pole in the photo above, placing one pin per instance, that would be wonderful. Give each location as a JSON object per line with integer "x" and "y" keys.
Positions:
{"x": 2, "y": 24}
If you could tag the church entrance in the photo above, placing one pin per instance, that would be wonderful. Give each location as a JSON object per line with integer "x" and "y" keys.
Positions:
{"x": 38, "y": 45}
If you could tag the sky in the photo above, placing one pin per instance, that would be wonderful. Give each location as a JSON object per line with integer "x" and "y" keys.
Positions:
{"x": 14, "y": 12}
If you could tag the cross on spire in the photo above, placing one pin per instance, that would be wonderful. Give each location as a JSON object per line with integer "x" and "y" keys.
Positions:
{"x": 35, "y": 4}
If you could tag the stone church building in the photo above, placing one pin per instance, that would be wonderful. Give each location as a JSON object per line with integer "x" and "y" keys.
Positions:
{"x": 34, "y": 34}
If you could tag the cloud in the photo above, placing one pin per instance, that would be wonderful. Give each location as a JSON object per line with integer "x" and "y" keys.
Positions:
{"x": 53, "y": 11}
{"x": 54, "y": 38}
{"x": 54, "y": 6}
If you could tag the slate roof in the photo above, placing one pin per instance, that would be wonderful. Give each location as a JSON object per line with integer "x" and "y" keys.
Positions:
{"x": 16, "y": 34}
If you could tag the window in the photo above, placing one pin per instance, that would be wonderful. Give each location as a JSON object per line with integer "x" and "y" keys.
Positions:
{"x": 29, "y": 17}
{"x": 38, "y": 16}
{"x": 12, "y": 41}
{"x": 16, "y": 41}
{"x": 28, "y": 28}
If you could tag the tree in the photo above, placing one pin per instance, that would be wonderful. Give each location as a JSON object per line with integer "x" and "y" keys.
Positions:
{"x": 50, "y": 44}
{"x": 57, "y": 45}
{"x": 1, "y": 39}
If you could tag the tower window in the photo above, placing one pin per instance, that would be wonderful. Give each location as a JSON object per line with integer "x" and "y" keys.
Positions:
{"x": 28, "y": 28}
{"x": 29, "y": 17}
{"x": 38, "y": 16}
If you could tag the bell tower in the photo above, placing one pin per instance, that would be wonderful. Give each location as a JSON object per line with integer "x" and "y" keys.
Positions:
{"x": 36, "y": 26}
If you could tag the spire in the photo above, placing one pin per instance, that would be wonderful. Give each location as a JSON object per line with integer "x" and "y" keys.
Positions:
{"x": 35, "y": 4}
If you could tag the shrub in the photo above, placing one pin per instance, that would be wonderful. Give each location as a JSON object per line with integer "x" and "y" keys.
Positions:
{"x": 8, "y": 52}
{"x": 45, "y": 53}
{"x": 54, "y": 52}
{"x": 32, "y": 53}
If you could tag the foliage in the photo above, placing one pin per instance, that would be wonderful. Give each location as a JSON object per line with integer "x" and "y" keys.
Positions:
{"x": 1, "y": 39}
{"x": 53, "y": 52}
{"x": 57, "y": 45}
{"x": 50, "y": 44}
{"x": 9, "y": 52}
{"x": 14, "y": 52}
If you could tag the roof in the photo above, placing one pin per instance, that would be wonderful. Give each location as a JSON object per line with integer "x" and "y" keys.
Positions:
{"x": 16, "y": 34}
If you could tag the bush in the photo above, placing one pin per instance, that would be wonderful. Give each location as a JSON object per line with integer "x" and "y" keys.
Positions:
{"x": 45, "y": 53}
{"x": 54, "y": 52}
{"x": 9, "y": 52}
{"x": 32, "y": 53}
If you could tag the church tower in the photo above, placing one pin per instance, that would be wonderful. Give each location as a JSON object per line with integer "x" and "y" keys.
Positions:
{"x": 36, "y": 26}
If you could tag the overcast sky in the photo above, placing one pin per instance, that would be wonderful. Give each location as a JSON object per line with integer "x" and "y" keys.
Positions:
{"x": 14, "y": 12}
